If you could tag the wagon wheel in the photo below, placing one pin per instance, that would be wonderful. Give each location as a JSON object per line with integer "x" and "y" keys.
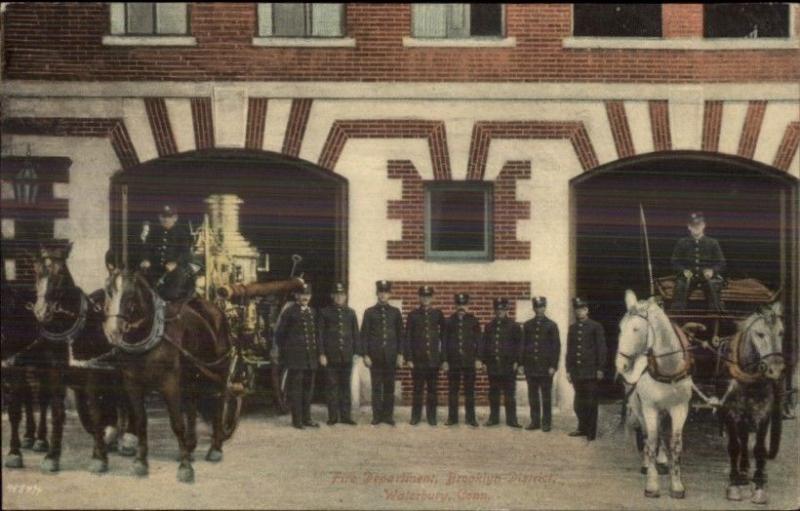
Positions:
{"x": 232, "y": 399}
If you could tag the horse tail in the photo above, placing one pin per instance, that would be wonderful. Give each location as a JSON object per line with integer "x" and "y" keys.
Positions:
{"x": 776, "y": 425}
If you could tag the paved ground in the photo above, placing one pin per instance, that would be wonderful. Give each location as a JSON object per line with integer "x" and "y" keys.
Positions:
{"x": 270, "y": 465}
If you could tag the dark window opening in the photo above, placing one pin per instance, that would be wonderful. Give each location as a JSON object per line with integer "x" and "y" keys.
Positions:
{"x": 746, "y": 20}
{"x": 486, "y": 19}
{"x": 617, "y": 20}
{"x": 458, "y": 221}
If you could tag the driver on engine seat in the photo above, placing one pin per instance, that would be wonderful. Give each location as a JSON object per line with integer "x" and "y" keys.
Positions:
{"x": 167, "y": 257}
{"x": 698, "y": 263}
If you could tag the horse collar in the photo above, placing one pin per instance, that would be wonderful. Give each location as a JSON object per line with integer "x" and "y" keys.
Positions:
{"x": 70, "y": 333}
{"x": 156, "y": 330}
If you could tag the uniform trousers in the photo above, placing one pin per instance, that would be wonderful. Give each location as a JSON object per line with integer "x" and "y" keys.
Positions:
{"x": 455, "y": 376}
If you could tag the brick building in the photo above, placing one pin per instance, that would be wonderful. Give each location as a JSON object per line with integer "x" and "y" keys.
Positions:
{"x": 487, "y": 148}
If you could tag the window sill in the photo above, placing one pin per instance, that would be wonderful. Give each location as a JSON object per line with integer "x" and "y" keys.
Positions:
{"x": 305, "y": 42}
{"x": 472, "y": 42}
{"x": 149, "y": 40}
{"x": 654, "y": 43}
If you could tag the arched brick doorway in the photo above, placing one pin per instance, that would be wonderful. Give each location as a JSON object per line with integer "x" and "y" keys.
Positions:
{"x": 290, "y": 206}
{"x": 751, "y": 208}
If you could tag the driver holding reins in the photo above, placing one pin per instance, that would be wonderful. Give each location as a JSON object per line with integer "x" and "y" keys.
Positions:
{"x": 698, "y": 262}
{"x": 166, "y": 258}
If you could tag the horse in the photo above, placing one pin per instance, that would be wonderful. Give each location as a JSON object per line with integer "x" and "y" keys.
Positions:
{"x": 182, "y": 349}
{"x": 752, "y": 402}
{"x": 653, "y": 358}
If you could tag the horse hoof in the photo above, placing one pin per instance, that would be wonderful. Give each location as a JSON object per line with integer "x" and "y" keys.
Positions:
{"x": 140, "y": 469}
{"x": 14, "y": 461}
{"x": 50, "y": 465}
{"x": 662, "y": 468}
{"x": 27, "y": 443}
{"x": 733, "y": 493}
{"x": 98, "y": 466}
{"x": 128, "y": 445}
{"x": 759, "y": 496}
{"x": 652, "y": 494}
{"x": 214, "y": 455}
{"x": 677, "y": 494}
{"x": 186, "y": 474}
{"x": 109, "y": 435}
{"x": 41, "y": 446}
{"x": 643, "y": 470}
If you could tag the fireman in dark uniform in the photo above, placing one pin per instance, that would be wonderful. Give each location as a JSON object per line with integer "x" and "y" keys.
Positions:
{"x": 167, "y": 251}
{"x": 586, "y": 361}
{"x": 698, "y": 261}
{"x": 501, "y": 353}
{"x": 381, "y": 337}
{"x": 541, "y": 347}
{"x": 338, "y": 331}
{"x": 296, "y": 335}
{"x": 423, "y": 351}
{"x": 461, "y": 345}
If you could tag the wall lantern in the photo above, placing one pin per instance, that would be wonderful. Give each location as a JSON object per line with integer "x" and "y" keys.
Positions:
{"x": 26, "y": 182}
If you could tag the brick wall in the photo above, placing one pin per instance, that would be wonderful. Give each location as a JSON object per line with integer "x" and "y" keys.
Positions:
{"x": 50, "y": 41}
{"x": 481, "y": 296}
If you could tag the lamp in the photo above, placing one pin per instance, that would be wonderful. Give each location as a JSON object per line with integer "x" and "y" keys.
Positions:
{"x": 26, "y": 182}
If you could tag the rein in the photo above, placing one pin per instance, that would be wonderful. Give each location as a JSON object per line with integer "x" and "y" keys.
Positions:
{"x": 652, "y": 359}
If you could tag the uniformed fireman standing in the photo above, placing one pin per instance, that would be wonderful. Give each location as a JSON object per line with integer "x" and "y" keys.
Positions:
{"x": 541, "y": 347}
{"x": 338, "y": 331}
{"x": 423, "y": 351}
{"x": 501, "y": 354}
{"x": 586, "y": 361}
{"x": 461, "y": 345}
{"x": 381, "y": 337}
{"x": 296, "y": 335}
{"x": 697, "y": 261}
{"x": 166, "y": 255}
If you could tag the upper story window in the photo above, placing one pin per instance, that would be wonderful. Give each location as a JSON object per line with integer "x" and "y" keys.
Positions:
{"x": 149, "y": 18}
{"x": 746, "y": 20}
{"x": 617, "y": 20}
{"x": 457, "y": 21}
{"x": 458, "y": 221}
{"x": 300, "y": 20}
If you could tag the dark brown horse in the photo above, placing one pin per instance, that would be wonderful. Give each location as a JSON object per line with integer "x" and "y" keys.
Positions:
{"x": 180, "y": 349}
{"x": 752, "y": 402}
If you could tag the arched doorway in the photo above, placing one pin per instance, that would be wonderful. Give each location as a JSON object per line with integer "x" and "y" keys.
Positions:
{"x": 751, "y": 208}
{"x": 290, "y": 206}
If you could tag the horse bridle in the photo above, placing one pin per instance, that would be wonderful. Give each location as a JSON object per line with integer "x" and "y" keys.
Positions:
{"x": 55, "y": 308}
{"x": 652, "y": 365}
{"x": 760, "y": 362}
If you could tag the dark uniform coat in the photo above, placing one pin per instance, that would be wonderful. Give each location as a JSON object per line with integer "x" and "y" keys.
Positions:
{"x": 338, "y": 333}
{"x": 462, "y": 340}
{"x": 382, "y": 333}
{"x": 162, "y": 246}
{"x": 695, "y": 255}
{"x": 296, "y": 336}
{"x": 541, "y": 346}
{"x": 501, "y": 345}
{"x": 424, "y": 332}
{"x": 586, "y": 349}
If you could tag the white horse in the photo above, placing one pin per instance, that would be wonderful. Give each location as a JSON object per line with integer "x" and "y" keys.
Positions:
{"x": 652, "y": 357}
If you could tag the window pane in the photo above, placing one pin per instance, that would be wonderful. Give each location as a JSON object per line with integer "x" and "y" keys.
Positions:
{"x": 746, "y": 20}
{"x": 171, "y": 18}
{"x": 458, "y": 220}
{"x": 430, "y": 20}
{"x": 458, "y": 21}
{"x": 617, "y": 20}
{"x": 289, "y": 19}
{"x": 140, "y": 18}
{"x": 326, "y": 20}
{"x": 117, "y": 17}
{"x": 486, "y": 19}
{"x": 265, "y": 19}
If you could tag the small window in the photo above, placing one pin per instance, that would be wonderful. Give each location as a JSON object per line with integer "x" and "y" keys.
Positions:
{"x": 150, "y": 18}
{"x": 457, "y": 21}
{"x": 746, "y": 20}
{"x": 458, "y": 220}
{"x": 617, "y": 20}
{"x": 300, "y": 20}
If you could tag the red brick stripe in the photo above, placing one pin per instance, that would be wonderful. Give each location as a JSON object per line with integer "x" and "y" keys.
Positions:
{"x": 433, "y": 131}
{"x": 659, "y": 124}
{"x": 296, "y": 127}
{"x": 620, "y": 129}
{"x": 788, "y": 147}
{"x": 114, "y": 129}
{"x": 484, "y": 131}
{"x": 410, "y": 210}
{"x": 751, "y": 128}
{"x": 507, "y": 210}
{"x": 256, "y": 121}
{"x": 159, "y": 124}
{"x": 712, "y": 125}
{"x": 203, "y": 123}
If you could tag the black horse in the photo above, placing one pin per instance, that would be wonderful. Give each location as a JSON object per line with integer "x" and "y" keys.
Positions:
{"x": 753, "y": 400}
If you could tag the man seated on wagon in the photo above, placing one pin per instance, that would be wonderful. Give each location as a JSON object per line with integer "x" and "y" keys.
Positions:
{"x": 698, "y": 262}
{"x": 167, "y": 254}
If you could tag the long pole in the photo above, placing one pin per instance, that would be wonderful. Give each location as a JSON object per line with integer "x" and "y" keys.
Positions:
{"x": 647, "y": 250}
{"x": 125, "y": 226}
